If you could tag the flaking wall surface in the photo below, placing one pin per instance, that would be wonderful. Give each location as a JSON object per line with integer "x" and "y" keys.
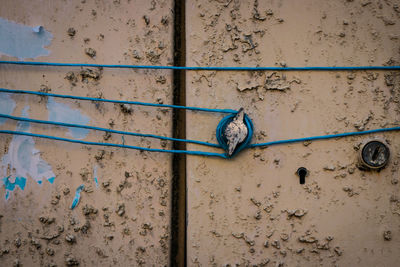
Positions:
{"x": 125, "y": 219}
{"x": 251, "y": 210}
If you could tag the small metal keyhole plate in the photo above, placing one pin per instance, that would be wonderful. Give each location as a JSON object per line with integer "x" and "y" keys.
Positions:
{"x": 375, "y": 155}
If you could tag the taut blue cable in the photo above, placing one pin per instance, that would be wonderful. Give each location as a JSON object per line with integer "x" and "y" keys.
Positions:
{"x": 108, "y": 130}
{"x": 115, "y": 101}
{"x": 333, "y": 68}
{"x": 329, "y": 136}
{"x": 188, "y": 152}
{"x": 202, "y": 68}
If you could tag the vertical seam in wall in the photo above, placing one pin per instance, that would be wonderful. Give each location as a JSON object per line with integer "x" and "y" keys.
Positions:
{"x": 178, "y": 194}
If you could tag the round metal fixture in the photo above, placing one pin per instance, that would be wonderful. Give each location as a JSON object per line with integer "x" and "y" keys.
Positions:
{"x": 374, "y": 155}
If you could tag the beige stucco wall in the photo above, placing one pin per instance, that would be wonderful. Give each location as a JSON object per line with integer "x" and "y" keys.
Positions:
{"x": 247, "y": 211}
{"x": 236, "y": 206}
{"x": 138, "y": 180}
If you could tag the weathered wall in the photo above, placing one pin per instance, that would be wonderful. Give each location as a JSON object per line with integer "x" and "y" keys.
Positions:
{"x": 251, "y": 210}
{"x": 124, "y": 221}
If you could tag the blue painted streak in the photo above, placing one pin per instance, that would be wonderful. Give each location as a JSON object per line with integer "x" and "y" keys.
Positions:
{"x": 95, "y": 176}
{"x": 77, "y": 196}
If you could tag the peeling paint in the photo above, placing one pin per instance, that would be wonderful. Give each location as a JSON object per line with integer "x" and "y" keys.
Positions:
{"x": 125, "y": 221}
{"x": 10, "y": 186}
{"x": 95, "y": 176}
{"x": 21, "y": 41}
{"x": 77, "y": 196}
{"x": 61, "y": 112}
{"x": 51, "y": 180}
{"x": 7, "y": 106}
{"x": 23, "y": 160}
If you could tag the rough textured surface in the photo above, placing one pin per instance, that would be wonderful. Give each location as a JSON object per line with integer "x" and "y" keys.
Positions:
{"x": 124, "y": 221}
{"x": 251, "y": 210}
{"x": 248, "y": 211}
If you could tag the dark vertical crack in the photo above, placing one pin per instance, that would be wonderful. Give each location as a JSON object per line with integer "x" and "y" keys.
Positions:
{"x": 178, "y": 208}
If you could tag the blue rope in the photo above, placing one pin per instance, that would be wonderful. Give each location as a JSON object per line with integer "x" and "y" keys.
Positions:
{"x": 321, "y": 137}
{"x": 221, "y": 125}
{"x": 219, "y": 128}
{"x": 188, "y": 152}
{"x": 107, "y": 130}
{"x": 202, "y": 153}
{"x": 202, "y": 68}
{"x": 115, "y": 101}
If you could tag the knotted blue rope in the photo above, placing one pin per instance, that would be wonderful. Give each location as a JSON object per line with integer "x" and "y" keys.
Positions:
{"x": 220, "y": 133}
{"x": 332, "y": 68}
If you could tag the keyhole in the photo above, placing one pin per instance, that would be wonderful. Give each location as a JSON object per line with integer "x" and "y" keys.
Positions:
{"x": 302, "y": 172}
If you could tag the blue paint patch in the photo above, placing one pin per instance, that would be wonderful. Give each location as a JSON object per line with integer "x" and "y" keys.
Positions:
{"x": 37, "y": 29}
{"x": 7, "y": 105}
{"x": 24, "y": 126}
{"x": 77, "y": 196}
{"x": 95, "y": 176}
{"x": 23, "y": 41}
{"x": 22, "y": 159}
{"x": 10, "y": 186}
{"x": 61, "y": 112}
{"x": 51, "y": 180}
{"x": 19, "y": 181}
